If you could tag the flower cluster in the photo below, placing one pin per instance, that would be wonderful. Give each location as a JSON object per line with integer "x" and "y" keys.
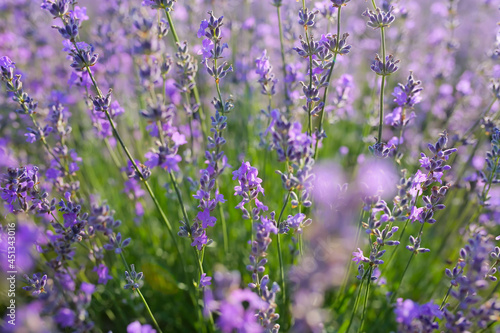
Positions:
{"x": 237, "y": 308}
{"x": 248, "y": 189}
{"x": 470, "y": 277}
{"x": 414, "y": 317}
{"x": 217, "y": 163}
{"x": 406, "y": 97}
{"x": 212, "y": 47}
{"x": 379, "y": 18}
{"x": 267, "y": 79}
{"x": 133, "y": 278}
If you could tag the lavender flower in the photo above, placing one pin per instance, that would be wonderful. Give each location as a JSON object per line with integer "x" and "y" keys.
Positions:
{"x": 379, "y": 19}
{"x": 133, "y": 278}
{"x": 36, "y": 284}
{"x": 339, "y": 3}
{"x": 413, "y": 317}
{"x": 384, "y": 68}
{"x": 267, "y": 79}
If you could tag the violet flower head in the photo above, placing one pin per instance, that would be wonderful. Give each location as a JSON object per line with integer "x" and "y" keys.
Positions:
{"x": 57, "y": 8}
{"x": 166, "y": 5}
{"x": 212, "y": 47}
{"x": 359, "y": 257}
{"x": 36, "y": 284}
{"x": 306, "y": 17}
{"x": 339, "y": 3}
{"x": 267, "y": 79}
{"x": 335, "y": 44}
{"x": 237, "y": 308}
{"x": 19, "y": 188}
{"x": 248, "y": 189}
{"x": 385, "y": 68}
{"x": 136, "y": 327}
{"x": 205, "y": 280}
{"x": 379, "y": 18}
{"x": 412, "y": 316}
{"x": 408, "y": 94}
{"x": 133, "y": 278}
{"x": 102, "y": 274}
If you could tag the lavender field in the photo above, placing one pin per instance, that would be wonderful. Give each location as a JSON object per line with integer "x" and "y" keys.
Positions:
{"x": 249, "y": 166}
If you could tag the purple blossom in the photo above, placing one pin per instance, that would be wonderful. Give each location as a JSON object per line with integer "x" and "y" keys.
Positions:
{"x": 205, "y": 218}
{"x": 205, "y": 280}
{"x": 136, "y": 327}
{"x": 65, "y": 317}
{"x": 358, "y": 256}
{"x": 200, "y": 241}
{"x": 102, "y": 273}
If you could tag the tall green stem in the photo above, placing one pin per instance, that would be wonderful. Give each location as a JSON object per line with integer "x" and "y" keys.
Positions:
{"x": 309, "y": 117}
{"x": 142, "y": 297}
{"x": 149, "y": 310}
{"x": 134, "y": 164}
{"x": 195, "y": 88}
{"x": 367, "y": 294}
{"x": 381, "y": 111}
{"x": 382, "y": 85}
{"x": 356, "y": 302}
{"x": 393, "y": 296}
{"x": 325, "y": 94}
{"x": 280, "y": 254}
{"x": 283, "y": 60}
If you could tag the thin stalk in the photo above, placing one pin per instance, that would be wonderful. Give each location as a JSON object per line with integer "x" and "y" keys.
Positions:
{"x": 325, "y": 94}
{"x": 224, "y": 230}
{"x": 445, "y": 297}
{"x": 283, "y": 60}
{"x": 149, "y": 310}
{"x": 280, "y": 254}
{"x": 393, "y": 296}
{"x": 309, "y": 117}
{"x": 394, "y": 251}
{"x": 382, "y": 86}
{"x": 348, "y": 270}
{"x": 301, "y": 244}
{"x": 355, "y": 305}
{"x": 134, "y": 164}
{"x": 142, "y": 297}
{"x": 179, "y": 197}
{"x": 195, "y": 88}
{"x": 381, "y": 111}
{"x": 367, "y": 293}
{"x": 489, "y": 325}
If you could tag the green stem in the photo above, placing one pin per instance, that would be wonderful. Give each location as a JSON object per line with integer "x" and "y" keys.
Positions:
{"x": 283, "y": 60}
{"x": 142, "y": 297}
{"x": 381, "y": 111}
{"x": 348, "y": 270}
{"x": 179, "y": 197}
{"x": 280, "y": 254}
{"x": 445, "y": 297}
{"x": 172, "y": 26}
{"x": 224, "y": 229}
{"x": 394, "y": 251}
{"x": 149, "y": 310}
{"x": 393, "y": 296}
{"x": 309, "y": 117}
{"x": 195, "y": 88}
{"x": 355, "y": 305}
{"x": 382, "y": 86}
{"x": 134, "y": 164}
{"x": 325, "y": 94}
{"x": 367, "y": 293}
